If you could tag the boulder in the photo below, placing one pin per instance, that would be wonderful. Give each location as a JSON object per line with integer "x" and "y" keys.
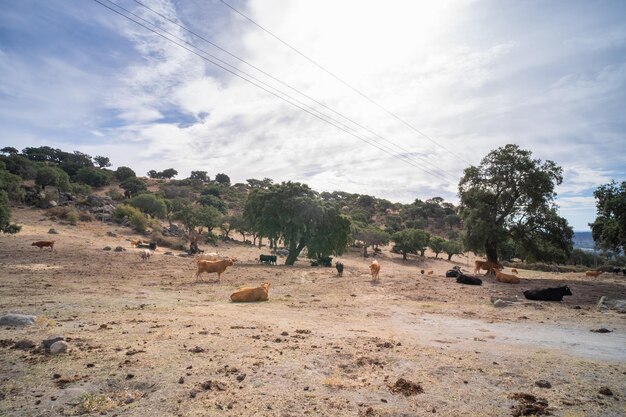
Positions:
{"x": 24, "y": 344}
{"x": 59, "y": 347}
{"x": 119, "y": 249}
{"x": 53, "y": 232}
{"x": 47, "y": 343}
{"x": 17, "y": 320}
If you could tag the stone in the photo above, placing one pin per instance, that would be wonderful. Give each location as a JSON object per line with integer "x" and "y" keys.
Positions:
{"x": 17, "y": 320}
{"x": 24, "y": 344}
{"x": 605, "y": 391}
{"x": 106, "y": 248}
{"x": 47, "y": 343}
{"x": 53, "y": 232}
{"x": 110, "y": 233}
{"x": 119, "y": 249}
{"x": 542, "y": 383}
{"x": 59, "y": 347}
{"x": 501, "y": 303}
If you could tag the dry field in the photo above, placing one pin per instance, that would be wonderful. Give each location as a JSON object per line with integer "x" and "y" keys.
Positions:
{"x": 146, "y": 340}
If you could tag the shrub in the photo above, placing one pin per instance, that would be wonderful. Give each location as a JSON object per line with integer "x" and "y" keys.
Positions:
{"x": 149, "y": 204}
{"x": 69, "y": 214}
{"x": 137, "y": 219}
{"x": 115, "y": 194}
{"x": 80, "y": 189}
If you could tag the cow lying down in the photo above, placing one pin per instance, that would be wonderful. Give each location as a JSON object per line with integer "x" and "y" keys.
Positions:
{"x": 547, "y": 294}
{"x": 251, "y": 294}
{"x": 454, "y": 272}
{"x": 468, "y": 280}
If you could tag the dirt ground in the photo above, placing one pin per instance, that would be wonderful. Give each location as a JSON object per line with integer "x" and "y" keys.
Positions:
{"x": 147, "y": 340}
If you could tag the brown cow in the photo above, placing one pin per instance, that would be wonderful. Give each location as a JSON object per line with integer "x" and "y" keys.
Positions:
{"x": 375, "y": 270}
{"x": 251, "y": 294}
{"x": 213, "y": 266}
{"x": 514, "y": 271}
{"x": 487, "y": 265}
{"x": 593, "y": 273}
{"x": 506, "y": 278}
{"x": 44, "y": 244}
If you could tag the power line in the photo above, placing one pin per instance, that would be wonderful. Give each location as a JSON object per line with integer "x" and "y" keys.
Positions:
{"x": 310, "y": 110}
{"x": 389, "y": 112}
{"x": 277, "y": 80}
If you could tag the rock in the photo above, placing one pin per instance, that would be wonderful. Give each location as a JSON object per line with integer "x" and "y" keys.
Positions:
{"x": 99, "y": 200}
{"x": 605, "y": 391}
{"x": 110, "y": 233}
{"x": 501, "y": 303}
{"x": 53, "y": 232}
{"x": 106, "y": 248}
{"x": 17, "y": 320}
{"x": 495, "y": 298}
{"x": 47, "y": 343}
{"x": 601, "y": 330}
{"x": 181, "y": 380}
{"x": 24, "y": 344}
{"x": 59, "y": 347}
{"x": 542, "y": 383}
{"x": 119, "y": 249}
{"x": 606, "y": 303}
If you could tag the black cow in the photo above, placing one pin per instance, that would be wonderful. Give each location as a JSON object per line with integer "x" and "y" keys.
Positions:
{"x": 268, "y": 259}
{"x": 454, "y": 272}
{"x": 547, "y": 294}
{"x": 468, "y": 280}
{"x": 339, "y": 267}
{"x": 618, "y": 270}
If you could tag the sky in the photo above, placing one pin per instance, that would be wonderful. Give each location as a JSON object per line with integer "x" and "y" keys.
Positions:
{"x": 389, "y": 98}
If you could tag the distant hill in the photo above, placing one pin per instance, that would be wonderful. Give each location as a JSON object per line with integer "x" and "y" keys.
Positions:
{"x": 584, "y": 241}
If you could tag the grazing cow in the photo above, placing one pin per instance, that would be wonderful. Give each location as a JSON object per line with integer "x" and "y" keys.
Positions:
{"x": 145, "y": 254}
{"x": 135, "y": 242}
{"x": 268, "y": 259}
{"x": 548, "y": 294}
{"x": 514, "y": 271}
{"x": 213, "y": 267}
{"x": 488, "y": 266}
{"x": 468, "y": 280}
{"x": 339, "y": 267}
{"x": 375, "y": 270}
{"x": 44, "y": 244}
{"x": 593, "y": 273}
{"x": 506, "y": 278}
{"x": 251, "y": 294}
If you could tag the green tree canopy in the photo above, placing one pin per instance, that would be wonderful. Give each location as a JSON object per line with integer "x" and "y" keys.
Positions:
{"x": 511, "y": 195}
{"x": 133, "y": 186}
{"x": 9, "y": 150}
{"x": 452, "y": 247}
{"x": 149, "y": 204}
{"x": 93, "y": 177}
{"x": 5, "y": 215}
{"x": 124, "y": 173}
{"x": 222, "y": 179}
{"x": 47, "y": 175}
{"x": 168, "y": 173}
{"x": 199, "y": 176}
{"x": 294, "y": 213}
{"x": 370, "y": 236}
{"x": 102, "y": 161}
{"x": 436, "y": 244}
{"x": 410, "y": 241}
{"x": 609, "y": 228}
{"x": 213, "y": 201}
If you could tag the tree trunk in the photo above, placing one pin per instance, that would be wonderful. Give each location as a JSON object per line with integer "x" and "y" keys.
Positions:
{"x": 404, "y": 256}
{"x": 364, "y": 251}
{"x": 294, "y": 251}
{"x": 260, "y": 241}
{"x": 491, "y": 249}
{"x": 450, "y": 255}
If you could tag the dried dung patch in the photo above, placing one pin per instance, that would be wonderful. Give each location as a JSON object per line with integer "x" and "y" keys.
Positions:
{"x": 406, "y": 388}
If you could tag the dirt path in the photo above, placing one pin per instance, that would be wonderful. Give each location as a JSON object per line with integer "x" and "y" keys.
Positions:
{"x": 145, "y": 339}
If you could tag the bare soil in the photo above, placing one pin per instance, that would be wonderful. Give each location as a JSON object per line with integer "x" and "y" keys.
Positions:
{"x": 147, "y": 340}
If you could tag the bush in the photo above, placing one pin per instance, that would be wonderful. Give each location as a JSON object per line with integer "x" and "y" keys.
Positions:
{"x": 80, "y": 189}
{"x": 115, "y": 194}
{"x": 137, "y": 219}
{"x": 149, "y": 204}
{"x": 5, "y": 215}
{"x": 69, "y": 214}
